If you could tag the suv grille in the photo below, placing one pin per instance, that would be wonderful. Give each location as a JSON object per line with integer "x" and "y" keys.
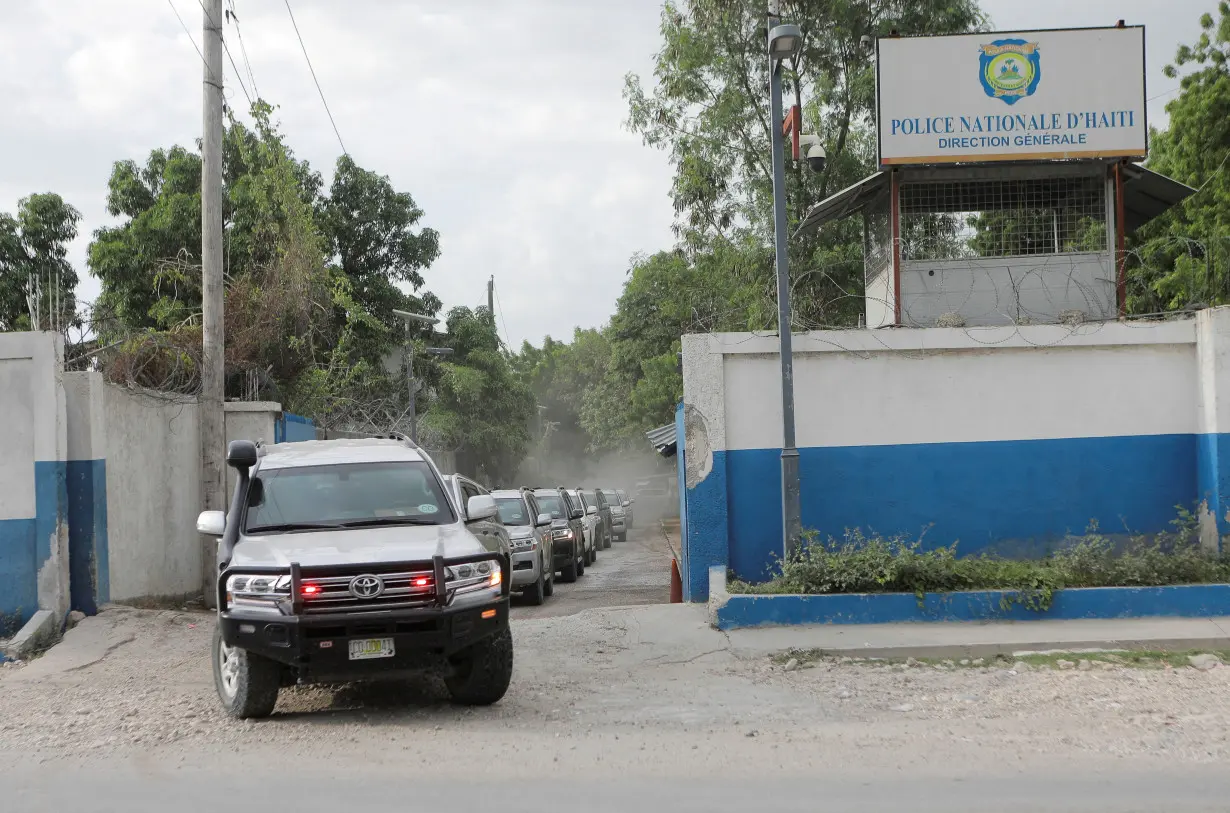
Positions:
{"x": 395, "y": 590}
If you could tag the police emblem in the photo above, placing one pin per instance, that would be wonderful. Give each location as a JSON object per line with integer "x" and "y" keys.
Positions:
{"x": 1009, "y": 69}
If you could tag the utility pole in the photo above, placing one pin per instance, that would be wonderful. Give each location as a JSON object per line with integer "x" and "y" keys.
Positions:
{"x": 491, "y": 300}
{"x": 783, "y": 41}
{"x": 210, "y": 404}
{"x": 414, "y": 387}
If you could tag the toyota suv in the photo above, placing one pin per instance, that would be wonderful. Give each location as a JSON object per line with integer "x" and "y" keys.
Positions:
{"x": 572, "y": 550}
{"x": 619, "y": 525}
{"x": 345, "y": 560}
{"x": 532, "y": 542}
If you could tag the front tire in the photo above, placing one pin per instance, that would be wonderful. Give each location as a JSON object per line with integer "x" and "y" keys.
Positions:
{"x": 537, "y": 593}
{"x": 247, "y": 684}
{"x": 482, "y": 674}
{"x": 548, "y": 587}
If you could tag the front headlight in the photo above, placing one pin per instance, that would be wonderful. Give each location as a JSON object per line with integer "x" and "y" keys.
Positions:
{"x": 563, "y": 533}
{"x": 261, "y": 592}
{"x": 522, "y": 543}
{"x": 472, "y": 576}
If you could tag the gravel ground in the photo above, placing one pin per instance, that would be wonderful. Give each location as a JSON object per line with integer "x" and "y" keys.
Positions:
{"x": 619, "y": 691}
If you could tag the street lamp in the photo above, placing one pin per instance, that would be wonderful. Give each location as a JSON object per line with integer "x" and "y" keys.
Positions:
{"x": 408, "y": 317}
{"x": 785, "y": 41}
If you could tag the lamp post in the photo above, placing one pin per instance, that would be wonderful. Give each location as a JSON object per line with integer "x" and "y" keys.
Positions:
{"x": 785, "y": 41}
{"x": 408, "y": 317}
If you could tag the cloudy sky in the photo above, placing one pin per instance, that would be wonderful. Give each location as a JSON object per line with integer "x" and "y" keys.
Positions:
{"x": 504, "y": 119}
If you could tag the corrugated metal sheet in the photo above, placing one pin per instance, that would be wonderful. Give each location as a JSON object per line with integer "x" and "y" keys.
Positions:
{"x": 848, "y": 201}
{"x": 663, "y": 439}
{"x": 1147, "y": 194}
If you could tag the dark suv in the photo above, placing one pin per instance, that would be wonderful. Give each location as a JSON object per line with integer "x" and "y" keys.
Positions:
{"x": 567, "y": 529}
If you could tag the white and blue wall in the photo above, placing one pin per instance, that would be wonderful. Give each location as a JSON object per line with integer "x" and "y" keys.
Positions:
{"x": 999, "y": 439}
{"x": 34, "y": 557}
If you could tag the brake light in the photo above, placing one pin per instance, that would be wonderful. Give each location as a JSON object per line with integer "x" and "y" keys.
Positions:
{"x": 310, "y": 590}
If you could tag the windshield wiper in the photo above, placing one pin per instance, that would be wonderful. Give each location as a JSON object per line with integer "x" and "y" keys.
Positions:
{"x": 378, "y": 521}
{"x": 292, "y": 526}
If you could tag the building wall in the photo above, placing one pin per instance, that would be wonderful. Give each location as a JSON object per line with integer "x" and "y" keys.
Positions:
{"x": 34, "y": 558}
{"x": 1001, "y": 439}
{"x": 1005, "y": 291}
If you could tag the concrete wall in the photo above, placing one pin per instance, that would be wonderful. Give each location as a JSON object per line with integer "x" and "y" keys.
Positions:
{"x": 135, "y": 488}
{"x": 34, "y": 561}
{"x": 1004, "y": 291}
{"x": 997, "y": 438}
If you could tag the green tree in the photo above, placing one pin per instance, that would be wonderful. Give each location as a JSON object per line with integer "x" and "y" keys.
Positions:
{"x": 479, "y": 406}
{"x": 1182, "y": 258}
{"x": 34, "y": 267}
{"x": 708, "y": 108}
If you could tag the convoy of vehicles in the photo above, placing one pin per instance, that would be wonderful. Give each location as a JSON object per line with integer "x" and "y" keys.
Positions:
{"x": 358, "y": 560}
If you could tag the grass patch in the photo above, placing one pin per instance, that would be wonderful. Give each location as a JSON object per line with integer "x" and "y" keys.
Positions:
{"x": 860, "y": 564}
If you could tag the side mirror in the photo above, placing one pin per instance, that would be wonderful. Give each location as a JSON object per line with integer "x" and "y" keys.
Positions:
{"x": 627, "y": 503}
{"x": 577, "y": 513}
{"x": 241, "y": 455}
{"x": 544, "y": 519}
{"x": 593, "y": 509}
{"x": 480, "y": 506}
{"x": 211, "y": 523}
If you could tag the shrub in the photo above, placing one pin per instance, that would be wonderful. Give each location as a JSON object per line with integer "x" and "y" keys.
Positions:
{"x": 861, "y": 564}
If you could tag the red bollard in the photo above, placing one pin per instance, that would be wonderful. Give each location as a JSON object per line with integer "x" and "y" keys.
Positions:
{"x": 676, "y": 583}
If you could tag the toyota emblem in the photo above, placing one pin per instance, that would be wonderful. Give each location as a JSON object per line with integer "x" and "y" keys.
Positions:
{"x": 366, "y": 586}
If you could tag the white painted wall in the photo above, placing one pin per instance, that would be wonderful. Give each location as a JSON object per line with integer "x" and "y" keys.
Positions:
{"x": 16, "y": 439}
{"x": 882, "y": 387}
{"x": 881, "y": 310}
{"x": 1006, "y": 291}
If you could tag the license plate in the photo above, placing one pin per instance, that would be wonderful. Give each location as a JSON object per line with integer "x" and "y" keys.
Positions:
{"x": 367, "y": 648}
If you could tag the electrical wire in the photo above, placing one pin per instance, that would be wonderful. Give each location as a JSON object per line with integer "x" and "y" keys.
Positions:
{"x": 226, "y": 48}
{"x": 175, "y": 11}
{"x": 314, "y": 79}
{"x": 247, "y": 63}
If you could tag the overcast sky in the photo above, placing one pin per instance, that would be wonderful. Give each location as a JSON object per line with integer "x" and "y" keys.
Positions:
{"x": 503, "y": 118}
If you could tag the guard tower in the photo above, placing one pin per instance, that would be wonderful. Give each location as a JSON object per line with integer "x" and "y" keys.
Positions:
{"x": 1007, "y": 178}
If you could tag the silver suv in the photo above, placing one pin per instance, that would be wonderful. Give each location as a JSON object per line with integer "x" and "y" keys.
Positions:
{"x": 533, "y": 544}
{"x": 345, "y": 560}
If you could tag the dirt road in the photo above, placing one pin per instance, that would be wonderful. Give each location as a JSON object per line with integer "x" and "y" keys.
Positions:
{"x": 636, "y": 571}
{"x": 620, "y": 706}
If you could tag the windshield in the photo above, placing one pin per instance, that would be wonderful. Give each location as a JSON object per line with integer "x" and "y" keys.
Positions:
{"x": 336, "y": 496}
{"x": 513, "y": 511}
{"x": 551, "y": 504}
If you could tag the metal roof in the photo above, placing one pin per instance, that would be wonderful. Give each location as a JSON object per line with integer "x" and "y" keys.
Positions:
{"x": 1147, "y": 194}
{"x": 848, "y": 201}
{"x": 663, "y": 439}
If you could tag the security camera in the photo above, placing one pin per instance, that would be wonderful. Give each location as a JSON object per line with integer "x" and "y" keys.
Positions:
{"x": 815, "y": 158}
{"x": 815, "y": 152}
{"x": 865, "y": 42}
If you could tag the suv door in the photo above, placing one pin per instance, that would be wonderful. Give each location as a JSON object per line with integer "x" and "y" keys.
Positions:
{"x": 546, "y": 539}
{"x": 484, "y": 529}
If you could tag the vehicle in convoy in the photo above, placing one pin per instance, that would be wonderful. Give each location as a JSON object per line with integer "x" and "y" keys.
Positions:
{"x": 571, "y": 547}
{"x": 533, "y": 546}
{"x": 619, "y": 521}
{"x": 604, "y": 513}
{"x": 626, "y": 501}
{"x": 345, "y": 560}
{"x": 595, "y": 531}
{"x": 489, "y": 530}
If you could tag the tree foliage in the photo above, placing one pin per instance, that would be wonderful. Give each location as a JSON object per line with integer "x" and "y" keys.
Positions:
{"x": 34, "y": 270}
{"x": 1182, "y": 258}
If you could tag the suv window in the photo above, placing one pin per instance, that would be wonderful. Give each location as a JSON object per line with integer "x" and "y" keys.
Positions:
{"x": 554, "y": 504}
{"x": 346, "y": 493}
{"x": 514, "y": 511}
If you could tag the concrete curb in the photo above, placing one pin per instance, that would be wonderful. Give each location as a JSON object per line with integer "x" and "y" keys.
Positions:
{"x": 38, "y": 632}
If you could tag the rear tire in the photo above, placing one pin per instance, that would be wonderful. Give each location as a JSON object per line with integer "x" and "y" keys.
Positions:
{"x": 247, "y": 684}
{"x": 548, "y": 575}
{"x": 482, "y": 673}
{"x": 606, "y": 541}
{"x": 568, "y": 573}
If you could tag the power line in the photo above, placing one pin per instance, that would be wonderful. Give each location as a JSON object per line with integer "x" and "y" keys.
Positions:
{"x": 314, "y": 79}
{"x": 244, "y": 51}
{"x": 189, "y": 33}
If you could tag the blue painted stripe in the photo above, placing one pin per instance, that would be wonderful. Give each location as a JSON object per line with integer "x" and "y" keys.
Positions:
{"x": 1014, "y": 497}
{"x": 18, "y": 574}
{"x": 89, "y": 568}
{"x": 1186, "y": 601}
{"x": 708, "y": 537}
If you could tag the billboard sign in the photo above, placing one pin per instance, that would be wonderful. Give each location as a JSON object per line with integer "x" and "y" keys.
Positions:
{"x": 1017, "y": 96}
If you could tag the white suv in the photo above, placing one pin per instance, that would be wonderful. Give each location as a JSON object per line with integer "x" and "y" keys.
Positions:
{"x": 345, "y": 560}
